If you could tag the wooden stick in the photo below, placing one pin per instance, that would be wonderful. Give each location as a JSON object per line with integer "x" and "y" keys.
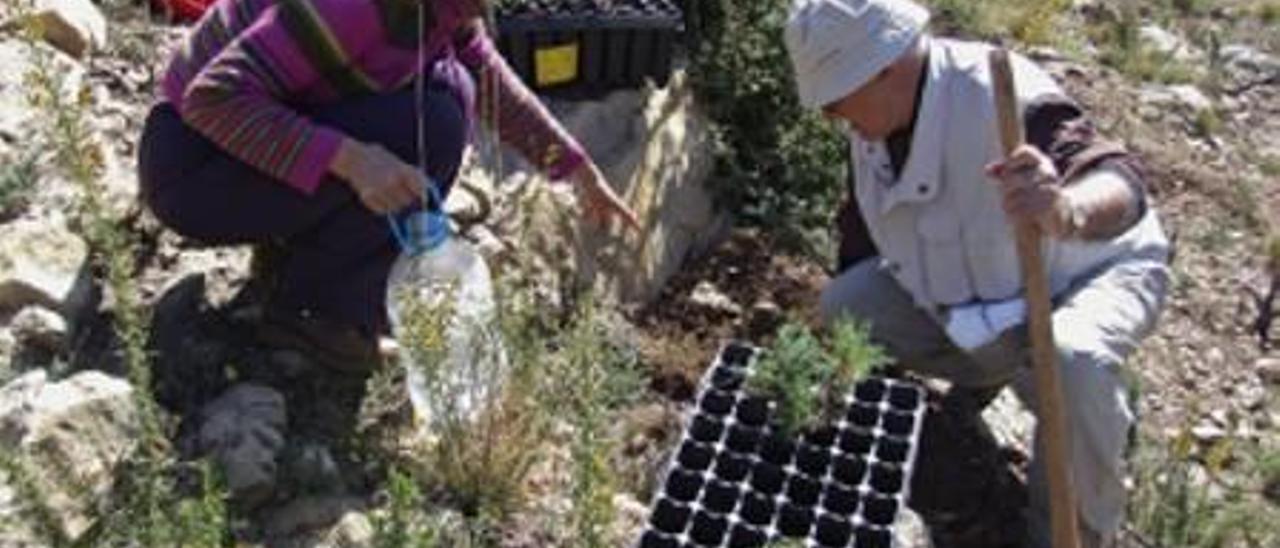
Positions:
{"x": 1051, "y": 416}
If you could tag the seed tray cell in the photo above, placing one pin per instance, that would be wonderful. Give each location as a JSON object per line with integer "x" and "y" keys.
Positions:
{"x": 737, "y": 481}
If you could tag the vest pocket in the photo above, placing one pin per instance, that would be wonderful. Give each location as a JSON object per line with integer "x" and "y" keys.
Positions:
{"x": 942, "y": 257}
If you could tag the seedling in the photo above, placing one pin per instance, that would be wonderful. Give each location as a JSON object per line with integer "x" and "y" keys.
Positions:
{"x": 808, "y": 378}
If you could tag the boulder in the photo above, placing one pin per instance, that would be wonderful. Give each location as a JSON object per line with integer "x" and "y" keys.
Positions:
{"x": 69, "y": 436}
{"x": 17, "y": 118}
{"x": 320, "y": 521}
{"x": 655, "y": 147}
{"x": 42, "y": 263}
{"x": 1183, "y": 96}
{"x": 243, "y": 431}
{"x": 1166, "y": 43}
{"x": 76, "y": 27}
{"x": 39, "y": 328}
{"x": 1244, "y": 58}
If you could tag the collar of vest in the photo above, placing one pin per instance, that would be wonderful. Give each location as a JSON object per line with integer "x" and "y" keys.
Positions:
{"x": 921, "y": 176}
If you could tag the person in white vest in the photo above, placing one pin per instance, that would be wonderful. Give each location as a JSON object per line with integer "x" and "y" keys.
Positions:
{"x": 928, "y": 248}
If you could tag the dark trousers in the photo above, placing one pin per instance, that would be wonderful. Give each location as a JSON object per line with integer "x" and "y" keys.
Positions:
{"x": 337, "y": 252}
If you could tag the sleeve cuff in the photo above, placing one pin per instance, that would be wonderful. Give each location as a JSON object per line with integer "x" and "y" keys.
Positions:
{"x": 313, "y": 164}
{"x": 568, "y": 163}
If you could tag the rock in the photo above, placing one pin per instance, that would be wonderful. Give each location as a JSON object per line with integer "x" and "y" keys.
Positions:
{"x": 311, "y": 468}
{"x": 74, "y": 26}
{"x": 15, "y": 532}
{"x": 1220, "y": 417}
{"x": 1244, "y": 58}
{"x": 707, "y": 295}
{"x": 40, "y": 328}
{"x": 1268, "y": 370}
{"x": 17, "y": 118}
{"x": 910, "y": 532}
{"x": 306, "y": 515}
{"x": 353, "y": 530}
{"x": 488, "y": 244}
{"x": 1250, "y": 396}
{"x": 1208, "y": 433}
{"x": 43, "y": 263}
{"x": 8, "y": 346}
{"x": 766, "y": 317}
{"x": 71, "y": 434}
{"x": 1010, "y": 421}
{"x": 655, "y": 147}
{"x": 243, "y": 430}
{"x": 1159, "y": 40}
{"x": 1183, "y": 96}
{"x": 630, "y": 517}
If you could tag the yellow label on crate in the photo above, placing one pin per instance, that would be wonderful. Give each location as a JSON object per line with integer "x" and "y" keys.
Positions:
{"x": 556, "y": 64}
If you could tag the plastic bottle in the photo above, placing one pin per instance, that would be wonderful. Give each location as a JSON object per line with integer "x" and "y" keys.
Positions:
{"x": 445, "y": 274}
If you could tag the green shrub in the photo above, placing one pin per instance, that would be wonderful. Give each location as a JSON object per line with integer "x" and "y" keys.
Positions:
{"x": 1268, "y": 11}
{"x": 475, "y": 460}
{"x": 808, "y": 377}
{"x": 592, "y": 380}
{"x": 18, "y": 179}
{"x": 145, "y": 508}
{"x": 777, "y": 164}
{"x": 1123, "y": 49}
{"x": 1187, "y": 498}
{"x": 402, "y": 523}
{"x": 1035, "y": 22}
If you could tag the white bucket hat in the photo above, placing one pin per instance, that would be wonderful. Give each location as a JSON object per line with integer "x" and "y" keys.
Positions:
{"x": 836, "y": 46}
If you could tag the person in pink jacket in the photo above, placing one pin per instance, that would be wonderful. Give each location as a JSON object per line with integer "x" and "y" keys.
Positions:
{"x": 296, "y": 123}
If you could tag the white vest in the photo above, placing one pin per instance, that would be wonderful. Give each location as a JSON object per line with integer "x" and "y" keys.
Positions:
{"x": 940, "y": 227}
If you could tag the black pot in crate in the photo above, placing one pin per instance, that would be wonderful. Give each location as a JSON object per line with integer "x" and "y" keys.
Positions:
{"x": 849, "y": 470}
{"x": 683, "y": 485}
{"x": 721, "y": 497}
{"x": 670, "y": 517}
{"x": 717, "y": 402}
{"x": 709, "y": 529}
{"x": 839, "y": 499}
{"x": 758, "y": 509}
{"x": 584, "y": 48}
{"x": 803, "y": 490}
{"x": 870, "y": 537}
{"x": 696, "y": 456}
{"x": 768, "y": 478}
{"x": 654, "y": 539}
{"x": 743, "y": 439}
{"x": 732, "y": 467}
{"x": 795, "y": 520}
{"x": 813, "y": 460}
{"x": 745, "y": 536}
{"x": 833, "y": 531}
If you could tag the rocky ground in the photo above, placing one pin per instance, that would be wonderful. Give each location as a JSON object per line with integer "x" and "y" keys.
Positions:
{"x": 1209, "y": 132}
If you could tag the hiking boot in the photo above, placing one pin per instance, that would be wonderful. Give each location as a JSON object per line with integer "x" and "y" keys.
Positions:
{"x": 338, "y": 347}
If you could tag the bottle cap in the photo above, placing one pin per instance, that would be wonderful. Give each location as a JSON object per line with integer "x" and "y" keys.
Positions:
{"x": 421, "y": 230}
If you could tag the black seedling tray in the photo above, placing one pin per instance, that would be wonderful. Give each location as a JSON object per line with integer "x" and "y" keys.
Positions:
{"x": 736, "y": 481}
{"x": 585, "y": 48}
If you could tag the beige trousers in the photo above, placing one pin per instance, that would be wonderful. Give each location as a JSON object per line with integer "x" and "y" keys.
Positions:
{"x": 1097, "y": 324}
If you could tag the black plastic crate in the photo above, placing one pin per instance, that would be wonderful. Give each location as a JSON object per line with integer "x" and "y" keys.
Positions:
{"x": 736, "y": 481}
{"x": 585, "y": 48}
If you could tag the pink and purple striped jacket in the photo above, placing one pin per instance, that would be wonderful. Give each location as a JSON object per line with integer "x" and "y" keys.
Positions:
{"x": 248, "y": 66}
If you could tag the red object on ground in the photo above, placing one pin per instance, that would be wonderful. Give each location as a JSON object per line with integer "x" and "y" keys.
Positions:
{"x": 184, "y": 11}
